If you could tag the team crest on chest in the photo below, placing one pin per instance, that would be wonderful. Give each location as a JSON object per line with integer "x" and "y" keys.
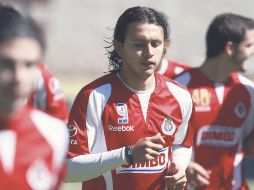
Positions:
{"x": 168, "y": 127}
{"x": 39, "y": 177}
{"x": 240, "y": 110}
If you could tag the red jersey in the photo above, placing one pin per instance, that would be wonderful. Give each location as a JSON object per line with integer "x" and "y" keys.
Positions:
{"x": 48, "y": 95}
{"x": 224, "y": 114}
{"x": 107, "y": 115}
{"x": 172, "y": 68}
{"x": 31, "y": 157}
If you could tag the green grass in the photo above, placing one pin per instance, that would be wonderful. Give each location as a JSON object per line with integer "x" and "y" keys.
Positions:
{"x": 77, "y": 186}
{"x": 72, "y": 86}
{"x": 71, "y": 186}
{"x": 251, "y": 184}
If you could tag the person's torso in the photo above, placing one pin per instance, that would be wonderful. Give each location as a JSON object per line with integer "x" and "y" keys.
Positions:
{"x": 221, "y": 112}
{"x": 123, "y": 123}
{"x": 30, "y": 154}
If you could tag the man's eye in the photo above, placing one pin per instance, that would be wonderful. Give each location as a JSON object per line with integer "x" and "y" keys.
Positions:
{"x": 30, "y": 64}
{"x": 155, "y": 44}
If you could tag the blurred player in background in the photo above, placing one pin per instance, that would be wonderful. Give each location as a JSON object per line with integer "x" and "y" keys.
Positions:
{"x": 170, "y": 68}
{"x": 128, "y": 126}
{"x": 48, "y": 95}
{"x": 33, "y": 144}
{"x": 224, "y": 104}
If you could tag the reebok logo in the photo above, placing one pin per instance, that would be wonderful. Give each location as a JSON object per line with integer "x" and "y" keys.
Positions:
{"x": 121, "y": 128}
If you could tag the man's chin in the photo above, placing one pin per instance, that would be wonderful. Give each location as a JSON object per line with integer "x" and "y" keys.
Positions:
{"x": 147, "y": 74}
{"x": 240, "y": 68}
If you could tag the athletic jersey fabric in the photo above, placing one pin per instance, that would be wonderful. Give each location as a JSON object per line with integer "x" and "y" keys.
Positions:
{"x": 48, "y": 95}
{"x": 106, "y": 115}
{"x": 224, "y": 114}
{"x": 33, "y": 149}
{"x": 171, "y": 69}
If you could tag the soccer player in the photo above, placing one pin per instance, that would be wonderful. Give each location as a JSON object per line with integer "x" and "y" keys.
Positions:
{"x": 224, "y": 104}
{"x": 48, "y": 95}
{"x": 31, "y": 155}
{"x": 129, "y": 126}
{"x": 170, "y": 68}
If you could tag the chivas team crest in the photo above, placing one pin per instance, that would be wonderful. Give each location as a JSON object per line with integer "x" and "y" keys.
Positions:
{"x": 240, "y": 110}
{"x": 168, "y": 127}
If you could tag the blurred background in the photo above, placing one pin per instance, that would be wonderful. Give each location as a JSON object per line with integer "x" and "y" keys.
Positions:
{"x": 76, "y": 30}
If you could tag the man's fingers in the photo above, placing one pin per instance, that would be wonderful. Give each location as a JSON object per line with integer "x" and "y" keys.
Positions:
{"x": 158, "y": 139}
{"x": 174, "y": 183}
{"x": 180, "y": 186}
{"x": 152, "y": 152}
{"x": 202, "y": 180}
{"x": 202, "y": 171}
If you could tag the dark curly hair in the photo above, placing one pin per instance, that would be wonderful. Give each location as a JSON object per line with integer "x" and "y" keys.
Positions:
{"x": 131, "y": 15}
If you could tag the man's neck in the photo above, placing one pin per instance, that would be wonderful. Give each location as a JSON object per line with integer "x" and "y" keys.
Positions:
{"x": 137, "y": 83}
{"x": 216, "y": 69}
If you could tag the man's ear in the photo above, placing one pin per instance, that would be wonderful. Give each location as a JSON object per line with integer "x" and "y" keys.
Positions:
{"x": 167, "y": 44}
{"x": 118, "y": 47}
{"x": 229, "y": 48}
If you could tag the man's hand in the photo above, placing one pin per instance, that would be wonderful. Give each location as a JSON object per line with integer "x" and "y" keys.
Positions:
{"x": 197, "y": 175}
{"x": 147, "y": 148}
{"x": 176, "y": 180}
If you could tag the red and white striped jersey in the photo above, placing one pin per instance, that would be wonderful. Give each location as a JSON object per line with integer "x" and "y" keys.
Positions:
{"x": 224, "y": 117}
{"x": 33, "y": 148}
{"x": 172, "y": 68}
{"x": 107, "y": 115}
{"x": 48, "y": 95}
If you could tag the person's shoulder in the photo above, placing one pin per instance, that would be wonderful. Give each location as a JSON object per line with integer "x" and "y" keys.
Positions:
{"x": 173, "y": 85}
{"x": 178, "y": 64}
{"x": 186, "y": 76}
{"x": 243, "y": 79}
{"x": 180, "y": 92}
{"x": 49, "y": 126}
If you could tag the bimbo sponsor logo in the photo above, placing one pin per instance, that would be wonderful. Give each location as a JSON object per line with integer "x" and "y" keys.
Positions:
{"x": 157, "y": 165}
{"x": 121, "y": 128}
{"x": 217, "y": 135}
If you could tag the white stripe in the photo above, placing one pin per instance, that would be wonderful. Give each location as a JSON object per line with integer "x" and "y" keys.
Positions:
{"x": 248, "y": 125}
{"x": 8, "y": 140}
{"x": 55, "y": 132}
{"x": 219, "y": 89}
{"x": 40, "y": 97}
{"x": 237, "y": 173}
{"x": 96, "y": 139}
{"x": 184, "y": 99}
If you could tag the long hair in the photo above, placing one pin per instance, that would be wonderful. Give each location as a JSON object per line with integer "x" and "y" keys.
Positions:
{"x": 131, "y": 15}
